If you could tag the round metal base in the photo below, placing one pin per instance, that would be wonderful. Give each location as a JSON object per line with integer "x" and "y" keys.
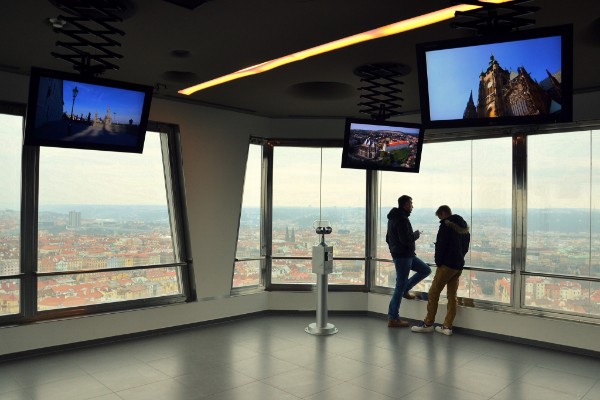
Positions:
{"x": 313, "y": 329}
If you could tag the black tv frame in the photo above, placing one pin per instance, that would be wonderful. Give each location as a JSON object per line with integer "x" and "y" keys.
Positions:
{"x": 62, "y": 132}
{"x": 349, "y": 162}
{"x": 565, "y": 32}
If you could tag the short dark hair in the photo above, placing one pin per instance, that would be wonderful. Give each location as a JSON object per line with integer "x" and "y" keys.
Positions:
{"x": 443, "y": 209}
{"x": 402, "y": 200}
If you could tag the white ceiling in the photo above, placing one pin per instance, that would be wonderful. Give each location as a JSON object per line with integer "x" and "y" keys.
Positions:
{"x": 223, "y": 36}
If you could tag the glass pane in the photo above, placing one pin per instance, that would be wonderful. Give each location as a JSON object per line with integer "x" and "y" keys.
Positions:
{"x": 248, "y": 244}
{"x": 77, "y": 290}
{"x": 286, "y": 271}
{"x": 347, "y": 272}
{"x": 491, "y": 204}
{"x": 558, "y": 203}
{"x": 561, "y": 295}
{"x": 595, "y": 207}
{"x": 474, "y": 178}
{"x": 247, "y": 273}
{"x": 11, "y": 134}
{"x": 445, "y": 178}
{"x": 299, "y": 199}
{"x": 10, "y": 296}
{"x": 481, "y": 285}
{"x": 101, "y": 209}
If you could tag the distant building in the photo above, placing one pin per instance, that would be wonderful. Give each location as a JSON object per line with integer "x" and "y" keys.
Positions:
{"x": 74, "y": 219}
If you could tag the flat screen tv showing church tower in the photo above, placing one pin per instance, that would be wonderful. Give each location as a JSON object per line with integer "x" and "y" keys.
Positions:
{"x": 74, "y": 111}
{"x": 523, "y": 77}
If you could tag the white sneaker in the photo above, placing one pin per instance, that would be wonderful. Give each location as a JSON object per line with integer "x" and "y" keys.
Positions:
{"x": 422, "y": 328}
{"x": 443, "y": 330}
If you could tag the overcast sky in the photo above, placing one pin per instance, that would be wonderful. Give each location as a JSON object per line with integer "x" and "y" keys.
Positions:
{"x": 562, "y": 166}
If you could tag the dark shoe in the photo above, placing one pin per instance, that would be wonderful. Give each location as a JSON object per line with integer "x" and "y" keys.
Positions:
{"x": 397, "y": 323}
{"x": 409, "y": 296}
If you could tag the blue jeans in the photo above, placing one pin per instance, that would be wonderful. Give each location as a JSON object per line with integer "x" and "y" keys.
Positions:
{"x": 403, "y": 284}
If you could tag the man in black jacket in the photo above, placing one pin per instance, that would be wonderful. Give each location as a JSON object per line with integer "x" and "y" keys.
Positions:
{"x": 401, "y": 239}
{"x": 451, "y": 246}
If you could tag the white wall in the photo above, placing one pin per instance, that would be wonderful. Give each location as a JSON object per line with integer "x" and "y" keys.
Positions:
{"x": 214, "y": 146}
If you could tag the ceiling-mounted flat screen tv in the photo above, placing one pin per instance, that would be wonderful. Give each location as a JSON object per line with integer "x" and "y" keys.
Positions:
{"x": 523, "y": 77}
{"x": 382, "y": 145}
{"x": 75, "y": 111}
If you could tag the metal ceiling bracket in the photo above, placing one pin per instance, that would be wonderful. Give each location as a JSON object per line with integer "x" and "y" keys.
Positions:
{"x": 380, "y": 95}
{"x": 89, "y": 26}
{"x": 494, "y": 18}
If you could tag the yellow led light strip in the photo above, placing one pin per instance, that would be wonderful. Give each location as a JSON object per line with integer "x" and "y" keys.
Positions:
{"x": 392, "y": 29}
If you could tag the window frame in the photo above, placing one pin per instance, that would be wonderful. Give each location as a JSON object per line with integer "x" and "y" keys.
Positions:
{"x": 28, "y": 276}
{"x": 270, "y": 145}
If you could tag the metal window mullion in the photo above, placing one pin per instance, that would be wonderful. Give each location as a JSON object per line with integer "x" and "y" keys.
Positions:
{"x": 519, "y": 217}
{"x": 177, "y": 207}
{"x": 371, "y": 221}
{"x": 266, "y": 220}
{"x": 29, "y": 229}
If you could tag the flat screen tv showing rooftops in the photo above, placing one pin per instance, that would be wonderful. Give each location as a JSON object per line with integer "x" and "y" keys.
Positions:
{"x": 523, "y": 77}
{"x": 75, "y": 111}
{"x": 382, "y": 145}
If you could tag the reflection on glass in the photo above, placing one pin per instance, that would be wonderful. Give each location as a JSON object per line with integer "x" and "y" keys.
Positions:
{"x": 303, "y": 192}
{"x": 77, "y": 290}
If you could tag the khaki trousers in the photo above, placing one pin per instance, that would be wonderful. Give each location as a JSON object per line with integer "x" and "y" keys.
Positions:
{"x": 444, "y": 276}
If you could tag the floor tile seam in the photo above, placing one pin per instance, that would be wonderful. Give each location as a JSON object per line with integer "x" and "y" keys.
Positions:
{"x": 15, "y": 391}
{"x": 370, "y": 390}
{"x": 428, "y": 379}
{"x": 290, "y": 393}
{"x": 347, "y": 380}
{"x": 567, "y": 371}
{"x": 127, "y": 367}
{"x": 510, "y": 382}
{"x": 549, "y": 388}
{"x": 421, "y": 385}
{"x": 137, "y": 386}
{"x": 470, "y": 392}
{"x": 470, "y": 368}
{"x": 85, "y": 374}
{"x": 563, "y": 372}
{"x": 217, "y": 391}
{"x": 590, "y": 389}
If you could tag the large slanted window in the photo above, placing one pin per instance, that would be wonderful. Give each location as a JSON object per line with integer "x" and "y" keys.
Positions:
{"x": 10, "y": 214}
{"x": 100, "y": 211}
{"x": 85, "y": 231}
{"x": 474, "y": 178}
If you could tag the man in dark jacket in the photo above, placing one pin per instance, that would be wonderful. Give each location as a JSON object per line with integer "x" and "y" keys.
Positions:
{"x": 401, "y": 241}
{"x": 451, "y": 246}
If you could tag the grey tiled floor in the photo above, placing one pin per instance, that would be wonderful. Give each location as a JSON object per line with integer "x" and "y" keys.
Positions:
{"x": 271, "y": 357}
